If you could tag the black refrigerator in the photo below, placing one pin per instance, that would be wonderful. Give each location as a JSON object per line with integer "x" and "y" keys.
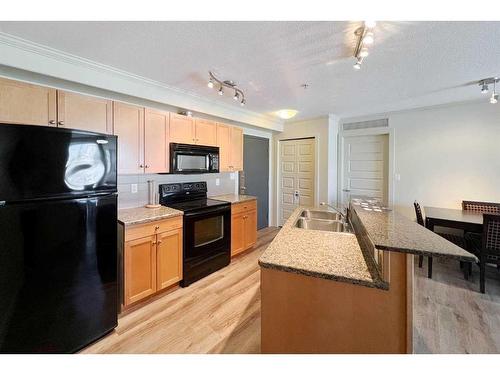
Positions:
{"x": 58, "y": 238}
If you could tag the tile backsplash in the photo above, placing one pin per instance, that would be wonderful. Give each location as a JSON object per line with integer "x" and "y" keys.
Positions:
{"x": 228, "y": 184}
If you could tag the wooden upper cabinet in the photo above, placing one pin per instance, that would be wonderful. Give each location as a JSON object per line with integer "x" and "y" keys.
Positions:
{"x": 224, "y": 144}
{"x": 236, "y": 162}
{"x": 205, "y": 132}
{"x": 128, "y": 125}
{"x": 156, "y": 149}
{"x": 169, "y": 258}
{"x": 26, "y": 104}
{"x": 182, "y": 129}
{"x": 84, "y": 112}
{"x": 140, "y": 268}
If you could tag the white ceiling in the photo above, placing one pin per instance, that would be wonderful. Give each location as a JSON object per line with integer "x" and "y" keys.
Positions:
{"x": 412, "y": 64}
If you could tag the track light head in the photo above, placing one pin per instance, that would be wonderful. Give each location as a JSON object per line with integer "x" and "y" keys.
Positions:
{"x": 357, "y": 66}
{"x": 221, "y": 91}
{"x": 236, "y": 96}
{"x": 368, "y": 38}
{"x": 484, "y": 88}
{"x": 494, "y": 98}
{"x": 243, "y": 102}
{"x": 210, "y": 83}
{"x": 364, "y": 52}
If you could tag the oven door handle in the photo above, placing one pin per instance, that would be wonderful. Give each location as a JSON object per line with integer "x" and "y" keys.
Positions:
{"x": 209, "y": 211}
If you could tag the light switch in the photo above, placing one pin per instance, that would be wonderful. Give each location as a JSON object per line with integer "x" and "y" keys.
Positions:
{"x": 133, "y": 188}
{"x": 217, "y": 181}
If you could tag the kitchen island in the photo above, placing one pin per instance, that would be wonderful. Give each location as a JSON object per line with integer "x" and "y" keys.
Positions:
{"x": 338, "y": 292}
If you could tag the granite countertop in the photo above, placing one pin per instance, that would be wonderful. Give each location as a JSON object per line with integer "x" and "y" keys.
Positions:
{"x": 328, "y": 255}
{"x": 234, "y": 198}
{"x": 391, "y": 231}
{"x": 141, "y": 215}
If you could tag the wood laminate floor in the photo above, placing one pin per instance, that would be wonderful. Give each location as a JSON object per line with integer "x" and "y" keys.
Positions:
{"x": 221, "y": 313}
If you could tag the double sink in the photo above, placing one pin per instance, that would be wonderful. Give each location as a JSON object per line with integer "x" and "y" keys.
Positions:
{"x": 322, "y": 220}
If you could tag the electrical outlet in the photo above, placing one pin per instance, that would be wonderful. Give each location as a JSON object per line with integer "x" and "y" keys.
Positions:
{"x": 217, "y": 181}
{"x": 133, "y": 188}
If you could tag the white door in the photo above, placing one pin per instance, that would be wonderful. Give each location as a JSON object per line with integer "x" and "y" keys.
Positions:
{"x": 365, "y": 169}
{"x": 297, "y": 177}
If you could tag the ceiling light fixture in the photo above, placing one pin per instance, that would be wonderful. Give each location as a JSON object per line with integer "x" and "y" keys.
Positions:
{"x": 484, "y": 83}
{"x": 364, "y": 38}
{"x": 238, "y": 93}
{"x": 286, "y": 114}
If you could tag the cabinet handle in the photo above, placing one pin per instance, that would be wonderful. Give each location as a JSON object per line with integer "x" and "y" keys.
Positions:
{"x": 157, "y": 227}
{"x": 52, "y": 122}
{"x": 158, "y": 242}
{"x": 154, "y": 242}
{"x": 141, "y": 166}
{"x": 146, "y": 166}
{"x": 60, "y": 123}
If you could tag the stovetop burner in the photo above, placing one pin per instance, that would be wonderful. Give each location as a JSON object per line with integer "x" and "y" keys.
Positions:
{"x": 197, "y": 204}
{"x": 188, "y": 196}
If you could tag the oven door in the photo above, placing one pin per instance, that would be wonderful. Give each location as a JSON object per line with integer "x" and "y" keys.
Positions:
{"x": 207, "y": 232}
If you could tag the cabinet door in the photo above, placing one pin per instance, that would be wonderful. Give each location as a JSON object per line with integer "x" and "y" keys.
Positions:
{"x": 84, "y": 112}
{"x": 181, "y": 129}
{"x": 169, "y": 258}
{"x": 26, "y": 104}
{"x": 128, "y": 125}
{"x": 205, "y": 132}
{"x": 237, "y": 233}
{"x": 155, "y": 141}
{"x": 250, "y": 228}
{"x": 224, "y": 144}
{"x": 140, "y": 268}
{"x": 236, "y": 163}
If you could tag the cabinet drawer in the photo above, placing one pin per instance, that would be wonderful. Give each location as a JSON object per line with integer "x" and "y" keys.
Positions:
{"x": 243, "y": 207}
{"x": 142, "y": 230}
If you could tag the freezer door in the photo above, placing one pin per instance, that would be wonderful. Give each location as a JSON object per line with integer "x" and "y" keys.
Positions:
{"x": 58, "y": 274}
{"x": 45, "y": 162}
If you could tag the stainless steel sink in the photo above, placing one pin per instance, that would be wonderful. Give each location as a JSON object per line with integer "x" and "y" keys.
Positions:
{"x": 323, "y": 215}
{"x": 320, "y": 224}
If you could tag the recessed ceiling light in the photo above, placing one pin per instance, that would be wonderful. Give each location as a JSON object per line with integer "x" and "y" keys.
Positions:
{"x": 286, "y": 114}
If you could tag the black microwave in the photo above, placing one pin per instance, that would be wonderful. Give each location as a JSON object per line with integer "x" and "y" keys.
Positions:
{"x": 185, "y": 159}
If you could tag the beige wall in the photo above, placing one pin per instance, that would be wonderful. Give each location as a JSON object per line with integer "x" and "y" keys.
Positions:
{"x": 445, "y": 154}
{"x": 324, "y": 129}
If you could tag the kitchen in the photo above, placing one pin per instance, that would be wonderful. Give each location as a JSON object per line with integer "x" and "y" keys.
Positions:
{"x": 191, "y": 220}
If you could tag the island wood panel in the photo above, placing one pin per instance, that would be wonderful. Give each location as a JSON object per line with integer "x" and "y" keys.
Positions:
{"x": 128, "y": 125}
{"x": 169, "y": 258}
{"x": 27, "y": 104}
{"x": 303, "y": 314}
{"x": 182, "y": 129}
{"x": 224, "y": 144}
{"x": 205, "y": 132}
{"x": 84, "y": 112}
{"x": 156, "y": 146}
{"x": 140, "y": 268}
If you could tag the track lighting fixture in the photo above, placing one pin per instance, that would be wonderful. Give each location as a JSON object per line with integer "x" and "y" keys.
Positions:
{"x": 364, "y": 38}
{"x": 238, "y": 93}
{"x": 484, "y": 83}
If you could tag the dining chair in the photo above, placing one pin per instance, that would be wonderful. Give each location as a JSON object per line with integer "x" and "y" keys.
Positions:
{"x": 457, "y": 240}
{"x": 486, "y": 247}
{"x": 483, "y": 207}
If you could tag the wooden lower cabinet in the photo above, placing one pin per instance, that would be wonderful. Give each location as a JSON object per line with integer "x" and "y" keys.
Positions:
{"x": 152, "y": 262}
{"x": 243, "y": 227}
{"x": 168, "y": 258}
{"x": 140, "y": 269}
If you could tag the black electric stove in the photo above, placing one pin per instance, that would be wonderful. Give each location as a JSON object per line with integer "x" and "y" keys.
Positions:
{"x": 207, "y": 228}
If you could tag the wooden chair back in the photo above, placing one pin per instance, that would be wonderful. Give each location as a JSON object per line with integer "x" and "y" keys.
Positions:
{"x": 483, "y": 207}
{"x": 418, "y": 213}
{"x": 491, "y": 235}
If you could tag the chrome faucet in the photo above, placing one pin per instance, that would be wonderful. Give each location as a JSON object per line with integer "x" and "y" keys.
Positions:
{"x": 335, "y": 209}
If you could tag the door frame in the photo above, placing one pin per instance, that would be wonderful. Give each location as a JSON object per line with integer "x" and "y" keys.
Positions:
{"x": 390, "y": 132}
{"x": 278, "y": 173}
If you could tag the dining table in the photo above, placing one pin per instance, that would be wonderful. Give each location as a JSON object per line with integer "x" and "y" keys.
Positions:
{"x": 469, "y": 221}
